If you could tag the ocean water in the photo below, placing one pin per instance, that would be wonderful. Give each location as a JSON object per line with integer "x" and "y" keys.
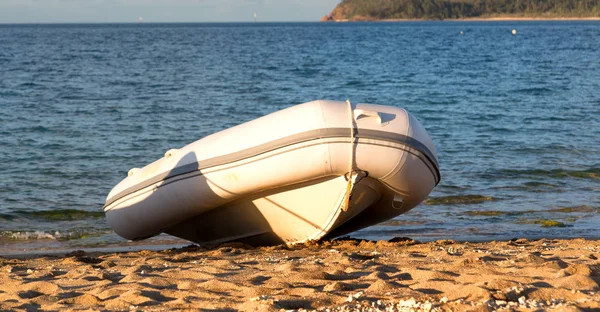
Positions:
{"x": 515, "y": 118}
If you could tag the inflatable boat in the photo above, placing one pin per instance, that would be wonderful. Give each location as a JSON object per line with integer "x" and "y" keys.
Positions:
{"x": 312, "y": 171}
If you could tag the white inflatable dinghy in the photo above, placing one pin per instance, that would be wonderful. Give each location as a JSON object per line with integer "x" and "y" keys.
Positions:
{"x": 311, "y": 171}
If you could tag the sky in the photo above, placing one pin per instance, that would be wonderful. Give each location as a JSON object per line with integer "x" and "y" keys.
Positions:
{"x": 119, "y": 11}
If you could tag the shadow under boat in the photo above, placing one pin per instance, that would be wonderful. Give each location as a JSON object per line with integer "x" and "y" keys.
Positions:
{"x": 292, "y": 214}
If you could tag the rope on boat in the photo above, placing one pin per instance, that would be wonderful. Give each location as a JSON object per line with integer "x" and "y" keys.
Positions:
{"x": 346, "y": 203}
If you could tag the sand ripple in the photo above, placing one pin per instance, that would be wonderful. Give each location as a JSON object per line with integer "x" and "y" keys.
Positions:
{"x": 346, "y": 274}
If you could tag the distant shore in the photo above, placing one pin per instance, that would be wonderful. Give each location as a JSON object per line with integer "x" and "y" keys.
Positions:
{"x": 400, "y": 274}
{"x": 476, "y": 19}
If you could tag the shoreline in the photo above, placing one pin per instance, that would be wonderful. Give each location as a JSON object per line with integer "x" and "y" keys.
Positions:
{"x": 549, "y": 274}
{"x": 164, "y": 241}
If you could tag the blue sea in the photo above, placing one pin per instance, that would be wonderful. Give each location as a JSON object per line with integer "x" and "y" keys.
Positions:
{"x": 515, "y": 118}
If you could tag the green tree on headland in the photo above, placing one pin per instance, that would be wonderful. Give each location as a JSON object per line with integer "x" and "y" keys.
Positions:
{"x": 455, "y": 9}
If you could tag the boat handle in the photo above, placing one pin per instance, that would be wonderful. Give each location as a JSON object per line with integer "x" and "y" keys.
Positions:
{"x": 133, "y": 171}
{"x": 358, "y": 113}
{"x": 398, "y": 203}
{"x": 171, "y": 152}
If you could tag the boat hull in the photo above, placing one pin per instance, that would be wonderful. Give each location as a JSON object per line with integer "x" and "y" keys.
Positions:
{"x": 288, "y": 215}
{"x": 282, "y": 178}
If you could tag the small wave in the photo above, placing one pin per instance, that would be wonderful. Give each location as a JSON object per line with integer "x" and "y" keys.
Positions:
{"x": 501, "y": 130}
{"x": 497, "y": 213}
{"x": 66, "y": 214}
{"x": 592, "y": 173}
{"x": 123, "y": 83}
{"x": 545, "y": 223}
{"x": 581, "y": 208}
{"x": 28, "y": 85}
{"x": 53, "y": 215}
{"x": 25, "y": 235}
{"x": 355, "y": 83}
{"x": 9, "y": 93}
{"x": 533, "y": 187}
{"x": 485, "y": 213}
{"x": 459, "y": 200}
{"x": 538, "y": 184}
{"x": 452, "y": 187}
{"x": 553, "y": 118}
{"x": 534, "y": 91}
{"x": 19, "y": 235}
{"x": 400, "y": 223}
{"x": 39, "y": 129}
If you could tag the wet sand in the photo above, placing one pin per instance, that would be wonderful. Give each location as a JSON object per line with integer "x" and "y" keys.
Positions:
{"x": 401, "y": 274}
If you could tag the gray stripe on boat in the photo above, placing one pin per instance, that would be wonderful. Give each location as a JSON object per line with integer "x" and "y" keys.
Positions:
{"x": 323, "y": 133}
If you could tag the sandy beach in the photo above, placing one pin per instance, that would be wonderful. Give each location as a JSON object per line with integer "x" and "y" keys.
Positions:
{"x": 344, "y": 275}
